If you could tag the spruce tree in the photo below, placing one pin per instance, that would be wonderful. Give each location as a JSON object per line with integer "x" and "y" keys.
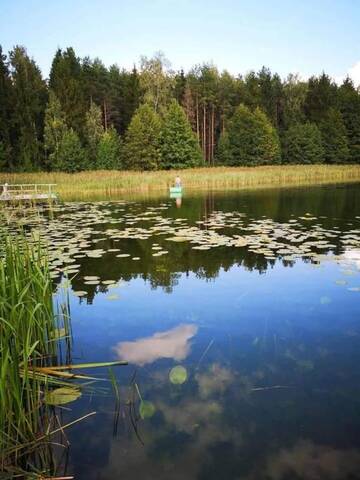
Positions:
{"x": 109, "y": 151}
{"x": 303, "y": 144}
{"x": 252, "y": 140}
{"x": 334, "y": 139}
{"x": 30, "y": 97}
{"x": 321, "y": 95}
{"x": 141, "y": 149}
{"x": 66, "y": 82}
{"x": 349, "y": 103}
{"x": 178, "y": 145}
{"x": 93, "y": 132}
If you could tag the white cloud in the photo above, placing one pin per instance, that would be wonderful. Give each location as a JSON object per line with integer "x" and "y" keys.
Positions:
{"x": 353, "y": 72}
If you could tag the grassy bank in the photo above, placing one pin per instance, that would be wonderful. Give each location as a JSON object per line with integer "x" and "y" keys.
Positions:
{"x": 116, "y": 183}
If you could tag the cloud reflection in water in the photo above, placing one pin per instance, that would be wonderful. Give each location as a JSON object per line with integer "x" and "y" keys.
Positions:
{"x": 173, "y": 343}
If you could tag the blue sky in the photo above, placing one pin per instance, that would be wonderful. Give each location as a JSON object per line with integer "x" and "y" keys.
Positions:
{"x": 288, "y": 36}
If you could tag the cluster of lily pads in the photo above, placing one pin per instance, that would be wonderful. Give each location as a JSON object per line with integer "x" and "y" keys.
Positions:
{"x": 73, "y": 231}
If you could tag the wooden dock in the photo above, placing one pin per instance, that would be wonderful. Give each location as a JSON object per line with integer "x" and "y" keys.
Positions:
{"x": 27, "y": 192}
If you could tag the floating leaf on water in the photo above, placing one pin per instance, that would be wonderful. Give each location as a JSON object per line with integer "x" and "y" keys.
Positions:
{"x": 341, "y": 282}
{"x": 123, "y": 255}
{"x": 80, "y": 293}
{"x": 92, "y": 282}
{"x": 135, "y": 258}
{"x": 91, "y": 277}
{"x": 146, "y": 409}
{"x": 354, "y": 289}
{"x": 178, "y": 239}
{"x": 108, "y": 282}
{"x": 178, "y": 375}
{"x": 62, "y": 395}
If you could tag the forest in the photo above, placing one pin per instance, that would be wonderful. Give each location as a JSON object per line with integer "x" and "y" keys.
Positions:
{"x": 86, "y": 116}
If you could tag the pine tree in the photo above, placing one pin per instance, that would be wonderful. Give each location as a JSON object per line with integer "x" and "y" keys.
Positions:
{"x": 303, "y": 144}
{"x": 334, "y": 139}
{"x": 71, "y": 155}
{"x": 30, "y": 97}
{"x": 109, "y": 151}
{"x": 54, "y": 130}
{"x": 141, "y": 149}
{"x": 178, "y": 144}
{"x": 93, "y": 133}
{"x": 6, "y": 101}
{"x": 252, "y": 140}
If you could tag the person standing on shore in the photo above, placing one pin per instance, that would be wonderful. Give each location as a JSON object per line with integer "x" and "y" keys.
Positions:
{"x": 178, "y": 182}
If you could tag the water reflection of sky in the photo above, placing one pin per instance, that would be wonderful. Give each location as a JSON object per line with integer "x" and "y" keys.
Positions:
{"x": 273, "y": 363}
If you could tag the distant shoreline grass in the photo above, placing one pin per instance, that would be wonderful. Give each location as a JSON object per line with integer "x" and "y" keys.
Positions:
{"x": 108, "y": 184}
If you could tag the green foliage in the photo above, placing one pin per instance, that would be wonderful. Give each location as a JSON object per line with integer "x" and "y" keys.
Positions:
{"x": 71, "y": 155}
{"x": 54, "y": 130}
{"x": 156, "y": 81}
{"x": 6, "y": 101}
{"x": 109, "y": 151}
{"x": 30, "y": 97}
{"x": 303, "y": 144}
{"x": 334, "y": 139}
{"x": 92, "y": 98}
{"x": 93, "y": 132}
{"x": 349, "y": 103}
{"x": 251, "y": 139}
{"x": 124, "y": 97}
{"x": 293, "y": 102}
{"x": 321, "y": 95}
{"x": 5, "y": 156}
{"x": 178, "y": 144}
{"x": 223, "y": 151}
{"x": 142, "y": 140}
{"x": 66, "y": 82}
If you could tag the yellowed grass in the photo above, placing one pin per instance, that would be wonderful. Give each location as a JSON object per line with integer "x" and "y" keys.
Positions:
{"x": 109, "y": 184}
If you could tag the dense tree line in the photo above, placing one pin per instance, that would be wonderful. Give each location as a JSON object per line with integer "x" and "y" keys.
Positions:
{"x": 86, "y": 116}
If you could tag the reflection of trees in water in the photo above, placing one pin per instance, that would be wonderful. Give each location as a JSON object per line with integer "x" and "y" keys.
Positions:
{"x": 333, "y": 205}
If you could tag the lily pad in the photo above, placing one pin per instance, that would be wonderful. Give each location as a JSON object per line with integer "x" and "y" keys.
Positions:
{"x": 62, "y": 395}
{"x": 178, "y": 375}
{"x": 147, "y": 409}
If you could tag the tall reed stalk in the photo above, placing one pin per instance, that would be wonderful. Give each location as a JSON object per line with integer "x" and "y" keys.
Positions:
{"x": 27, "y": 326}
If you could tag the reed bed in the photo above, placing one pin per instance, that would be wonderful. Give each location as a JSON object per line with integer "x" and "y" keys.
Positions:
{"x": 27, "y": 326}
{"x": 106, "y": 184}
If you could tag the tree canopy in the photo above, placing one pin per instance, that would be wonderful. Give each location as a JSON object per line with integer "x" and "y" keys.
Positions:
{"x": 151, "y": 117}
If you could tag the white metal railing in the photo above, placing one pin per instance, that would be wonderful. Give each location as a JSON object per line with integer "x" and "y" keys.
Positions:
{"x": 16, "y": 190}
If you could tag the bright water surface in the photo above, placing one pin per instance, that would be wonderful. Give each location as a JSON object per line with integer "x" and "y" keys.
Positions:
{"x": 271, "y": 346}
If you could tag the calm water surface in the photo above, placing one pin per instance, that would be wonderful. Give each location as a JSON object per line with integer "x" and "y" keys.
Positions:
{"x": 271, "y": 345}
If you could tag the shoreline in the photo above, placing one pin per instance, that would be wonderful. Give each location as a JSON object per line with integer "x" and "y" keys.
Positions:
{"x": 107, "y": 184}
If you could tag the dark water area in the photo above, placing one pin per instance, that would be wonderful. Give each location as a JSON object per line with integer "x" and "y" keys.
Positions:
{"x": 267, "y": 333}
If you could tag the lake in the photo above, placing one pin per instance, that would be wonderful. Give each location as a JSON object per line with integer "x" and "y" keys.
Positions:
{"x": 239, "y": 316}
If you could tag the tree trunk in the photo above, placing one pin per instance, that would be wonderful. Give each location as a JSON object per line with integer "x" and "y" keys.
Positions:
{"x": 212, "y": 134}
{"x": 204, "y": 132}
{"x": 197, "y": 119}
{"x": 105, "y": 116}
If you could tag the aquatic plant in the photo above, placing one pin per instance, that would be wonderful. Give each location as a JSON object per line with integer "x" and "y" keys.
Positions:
{"x": 107, "y": 184}
{"x": 33, "y": 376}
